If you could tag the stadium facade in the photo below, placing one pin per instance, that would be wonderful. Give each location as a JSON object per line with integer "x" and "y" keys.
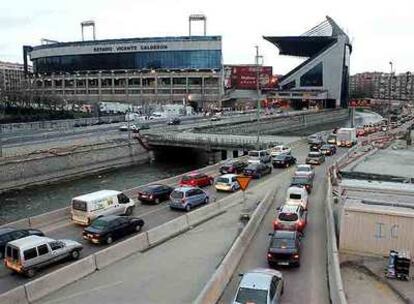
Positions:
{"x": 159, "y": 70}
{"x": 323, "y": 77}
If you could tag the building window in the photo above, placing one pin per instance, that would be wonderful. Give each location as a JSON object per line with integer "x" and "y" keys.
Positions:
{"x": 289, "y": 85}
{"x": 211, "y": 81}
{"x": 120, "y": 82}
{"x": 195, "y": 81}
{"x": 58, "y": 83}
{"x": 313, "y": 77}
{"x": 179, "y": 81}
{"x": 106, "y": 83}
{"x": 134, "y": 82}
{"x": 93, "y": 83}
{"x": 164, "y": 81}
{"x": 81, "y": 83}
{"x": 148, "y": 82}
{"x": 68, "y": 83}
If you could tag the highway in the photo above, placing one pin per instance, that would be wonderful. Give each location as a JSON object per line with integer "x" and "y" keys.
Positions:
{"x": 153, "y": 215}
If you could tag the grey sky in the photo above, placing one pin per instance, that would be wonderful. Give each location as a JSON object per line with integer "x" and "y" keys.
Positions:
{"x": 380, "y": 30}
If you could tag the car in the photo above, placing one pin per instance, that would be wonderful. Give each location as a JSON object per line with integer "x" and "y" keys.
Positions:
{"x": 360, "y": 132}
{"x": 315, "y": 158}
{"x": 291, "y": 217}
{"x": 187, "y": 197}
{"x": 216, "y": 117}
{"x": 143, "y": 127}
{"x": 316, "y": 145}
{"x": 174, "y": 121}
{"x": 27, "y": 255}
{"x": 284, "y": 248}
{"x": 196, "y": 179}
{"x": 314, "y": 138}
{"x": 227, "y": 182}
{"x": 155, "y": 193}
{"x": 233, "y": 166}
{"x": 297, "y": 196}
{"x": 8, "y": 234}
{"x": 257, "y": 170}
{"x": 105, "y": 229}
{"x": 260, "y": 285}
{"x": 257, "y": 156}
{"x": 124, "y": 128}
{"x": 384, "y": 128}
{"x": 331, "y": 139}
{"x": 305, "y": 170}
{"x": 283, "y": 161}
{"x": 302, "y": 181}
{"x": 281, "y": 149}
{"x": 328, "y": 149}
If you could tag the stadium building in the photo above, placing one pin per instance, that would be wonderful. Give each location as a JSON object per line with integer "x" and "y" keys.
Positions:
{"x": 141, "y": 71}
{"x": 323, "y": 77}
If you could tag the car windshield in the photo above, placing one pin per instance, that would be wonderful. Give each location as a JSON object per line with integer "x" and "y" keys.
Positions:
{"x": 300, "y": 181}
{"x": 281, "y": 157}
{"x": 283, "y": 243}
{"x": 187, "y": 178}
{"x": 177, "y": 194}
{"x": 303, "y": 169}
{"x": 223, "y": 180}
{"x": 288, "y": 217}
{"x": 79, "y": 205}
{"x": 325, "y": 147}
{"x": 313, "y": 154}
{"x": 252, "y": 167}
{"x": 250, "y": 295}
{"x": 99, "y": 224}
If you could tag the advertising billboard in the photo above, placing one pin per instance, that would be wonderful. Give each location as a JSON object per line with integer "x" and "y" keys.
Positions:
{"x": 243, "y": 77}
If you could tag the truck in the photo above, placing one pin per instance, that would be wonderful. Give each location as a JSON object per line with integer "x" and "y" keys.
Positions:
{"x": 346, "y": 137}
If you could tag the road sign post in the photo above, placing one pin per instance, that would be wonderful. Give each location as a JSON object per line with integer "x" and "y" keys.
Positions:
{"x": 244, "y": 183}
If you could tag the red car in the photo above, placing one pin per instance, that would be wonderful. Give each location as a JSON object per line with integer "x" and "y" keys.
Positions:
{"x": 196, "y": 180}
{"x": 360, "y": 132}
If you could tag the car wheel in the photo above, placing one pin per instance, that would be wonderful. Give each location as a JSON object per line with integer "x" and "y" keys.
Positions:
{"x": 157, "y": 201}
{"x": 287, "y": 165}
{"x": 75, "y": 254}
{"x": 109, "y": 239}
{"x": 283, "y": 290}
{"x": 188, "y": 208}
{"x": 297, "y": 264}
{"x": 138, "y": 228}
{"x": 30, "y": 273}
{"x": 206, "y": 200}
{"x": 128, "y": 211}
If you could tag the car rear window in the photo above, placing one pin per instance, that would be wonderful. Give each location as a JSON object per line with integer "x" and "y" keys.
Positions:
{"x": 303, "y": 169}
{"x": 295, "y": 196}
{"x": 177, "y": 194}
{"x": 250, "y": 295}
{"x": 283, "y": 243}
{"x": 223, "y": 180}
{"x": 300, "y": 181}
{"x": 281, "y": 157}
{"x": 30, "y": 254}
{"x": 99, "y": 224}
{"x": 186, "y": 178}
{"x": 313, "y": 154}
{"x": 288, "y": 217}
{"x": 79, "y": 205}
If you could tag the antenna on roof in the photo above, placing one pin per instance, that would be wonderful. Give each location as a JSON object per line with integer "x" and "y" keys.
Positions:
{"x": 197, "y": 17}
{"x": 88, "y": 23}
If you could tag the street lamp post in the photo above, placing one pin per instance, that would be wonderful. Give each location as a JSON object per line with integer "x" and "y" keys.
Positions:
{"x": 389, "y": 98}
{"x": 258, "y": 94}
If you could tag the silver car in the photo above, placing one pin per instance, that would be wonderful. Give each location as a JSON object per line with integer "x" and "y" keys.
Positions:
{"x": 260, "y": 285}
{"x": 29, "y": 254}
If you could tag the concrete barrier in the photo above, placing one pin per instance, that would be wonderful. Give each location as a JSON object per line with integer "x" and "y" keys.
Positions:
{"x": 200, "y": 215}
{"x": 121, "y": 250}
{"x": 55, "y": 280}
{"x": 23, "y": 223}
{"x": 215, "y": 286}
{"x": 167, "y": 230}
{"x": 49, "y": 217}
{"x": 14, "y": 296}
{"x": 336, "y": 289}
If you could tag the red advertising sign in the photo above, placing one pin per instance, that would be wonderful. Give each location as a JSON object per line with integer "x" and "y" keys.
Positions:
{"x": 244, "y": 77}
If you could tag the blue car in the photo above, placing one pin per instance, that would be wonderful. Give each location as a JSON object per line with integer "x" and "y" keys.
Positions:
{"x": 187, "y": 197}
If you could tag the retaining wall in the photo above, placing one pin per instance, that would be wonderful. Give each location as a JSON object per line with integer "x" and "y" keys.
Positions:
{"x": 46, "y": 168}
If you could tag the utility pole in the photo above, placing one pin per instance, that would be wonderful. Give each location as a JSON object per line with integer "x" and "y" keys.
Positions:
{"x": 258, "y": 94}
{"x": 389, "y": 99}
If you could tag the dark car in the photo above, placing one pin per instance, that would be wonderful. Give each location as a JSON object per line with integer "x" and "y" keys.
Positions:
{"x": 174, "y": 121}
{"x": 316, "y": 146}
{"x": 283, "y": 161}
{"x": 155, "y": 193}
{"x": 284, "y": 248}
{"x": 107, "y": 228}
{"x": 257, "y": 170}
{"x": 234, "y": 167}
{"x": 8, "y": 234}
{"x": 328, "y": 149}
{"x": 302, "y": 181}
{"x": 141, "y": 127}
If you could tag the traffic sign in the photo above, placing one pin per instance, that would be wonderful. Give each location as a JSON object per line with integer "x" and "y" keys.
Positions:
{"x": 243, "y": 181}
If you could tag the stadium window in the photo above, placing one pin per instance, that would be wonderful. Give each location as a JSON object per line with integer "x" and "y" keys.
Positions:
{"x": 313, "y": 77}
{"x": 289, "y": 85}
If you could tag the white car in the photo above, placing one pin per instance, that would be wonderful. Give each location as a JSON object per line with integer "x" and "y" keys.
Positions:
{"x": 260, "y": 285}
{"x": 297, "y": 196}
{"x": 305, "y": 170}
{"x": 278, "y": 150}
{"x": 227, "y": 182}
{"x": 125, "y": 128}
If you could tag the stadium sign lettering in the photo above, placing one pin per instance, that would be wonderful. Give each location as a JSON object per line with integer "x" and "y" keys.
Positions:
{"x": 129, "y": 48}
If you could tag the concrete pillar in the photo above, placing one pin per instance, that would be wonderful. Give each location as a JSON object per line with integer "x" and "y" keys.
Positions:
{"x": 235, "y": 153}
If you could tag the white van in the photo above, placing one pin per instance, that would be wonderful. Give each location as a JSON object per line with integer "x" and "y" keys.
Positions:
{"x": 86, "y": 208}
{"x": 259, "y": 156}
{"x": 297, "y": 196}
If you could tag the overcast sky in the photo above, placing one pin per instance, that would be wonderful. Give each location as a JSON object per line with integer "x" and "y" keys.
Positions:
{"x": 381, "y": 31}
